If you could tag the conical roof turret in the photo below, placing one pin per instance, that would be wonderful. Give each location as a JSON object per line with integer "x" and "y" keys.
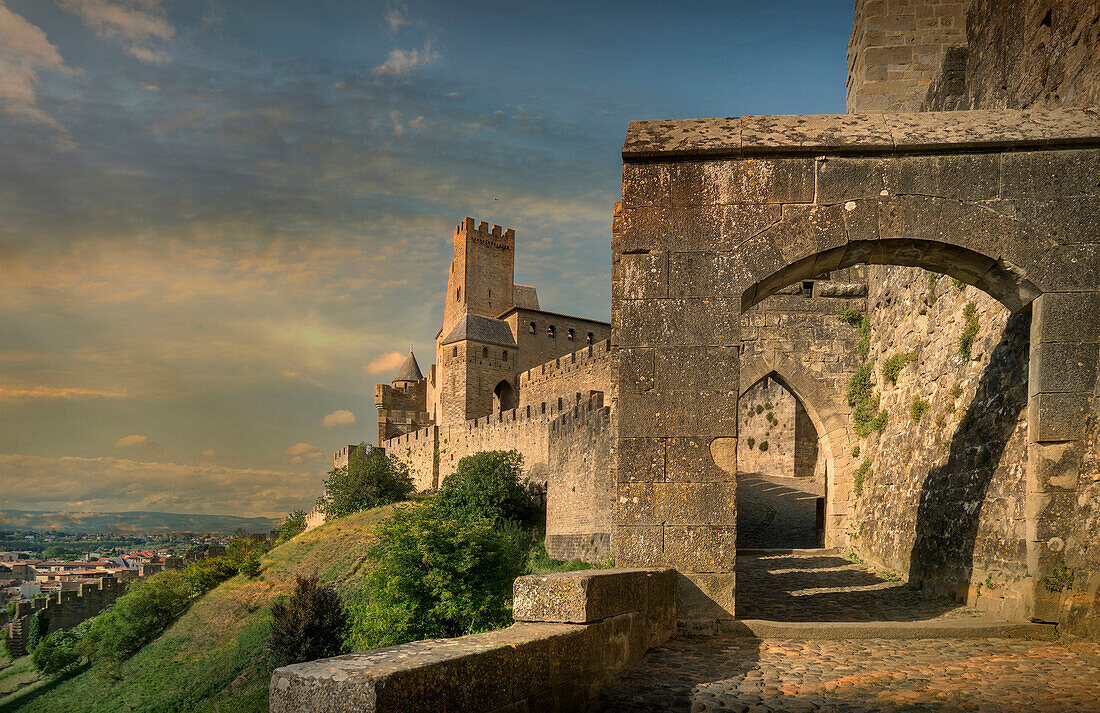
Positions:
{"x": 410, "y": 370}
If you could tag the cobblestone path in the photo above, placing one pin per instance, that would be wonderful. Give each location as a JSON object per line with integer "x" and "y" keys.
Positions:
{"x": 942, "y": 675}
{"x": 776, "y": 511}
{"x": 831, "y": 588}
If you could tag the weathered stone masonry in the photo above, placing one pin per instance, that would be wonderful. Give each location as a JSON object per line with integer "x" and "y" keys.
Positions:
{"x": 995, "y": 199}
{"x": 64, "y": 610}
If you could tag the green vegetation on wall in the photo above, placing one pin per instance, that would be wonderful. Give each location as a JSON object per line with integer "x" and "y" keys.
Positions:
{"x": 862, "y": 474}
{"x": 917, "y": 408}
{"x": 856, "y": 318}
{"x": 864, "y": 400}
{"x": 966, "y": 339}
{"x": 892, "y": 367}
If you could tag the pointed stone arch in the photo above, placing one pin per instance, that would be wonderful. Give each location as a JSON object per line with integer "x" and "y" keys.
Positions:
{"x": 719, "y": 214}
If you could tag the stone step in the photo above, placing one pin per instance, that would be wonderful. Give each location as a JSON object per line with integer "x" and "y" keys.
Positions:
{"x": 946, "y": 629}
{"x": 772, "y": 552}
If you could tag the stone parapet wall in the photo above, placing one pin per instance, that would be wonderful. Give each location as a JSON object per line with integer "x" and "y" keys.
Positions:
{"x": 64, "y": 610}
{"x": 574, "y": 633}
{"x": 583, "y": 371}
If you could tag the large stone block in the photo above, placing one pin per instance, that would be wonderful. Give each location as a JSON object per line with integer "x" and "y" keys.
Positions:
{"x": 843, "y": 179}
{"x": 704, "y": 599}
{"x": 691, "y": 459}
{"x": 821, "y": 133}
{"x": 646, "y": 184}
{"x": 701, "y": 548}
{"x": 1062, "y": 367}
{"x": 1054, "y": 466}
{"x": 1066, "y": 317}
{"x": 642, "y": 275}
{"x": 678, "y": 322}
{"x": 640, "y": 545}
{"x": 1040, "y": 174}
{"x": 910, "y": 217}
{"x": 641, "y": 459}
{"x": 635, "y": 369}
{"x": 678, "y": 413}
{"x": 722, "y": 275}
{"x": 723, "y": 181}
{"x": 585, "y": 596}
{"x": 676, "y": 504}
{"x": 1068, "y": 219}
{"x": 697, "y": 368}
{"x": 1058, "y": 417}
{"x": 1072, "y": 268}
{"x": 963, "y": 177}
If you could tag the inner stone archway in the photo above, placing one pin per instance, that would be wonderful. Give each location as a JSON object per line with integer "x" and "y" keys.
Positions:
{"x": 718, "y": 214}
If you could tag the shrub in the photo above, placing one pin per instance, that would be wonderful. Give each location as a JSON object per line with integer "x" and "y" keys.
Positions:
{"x": 752, "y": 442}
{"x": 760, "y": 408}
{"x": 137, "y": 618}
{"x": 486, "y": 485}
{"x": 437, "y": 577}
{"x": 40, "y": 624}
{"x": 763, "y": 446}
{"x": 251, "y": 566}
{"x": 959, "y": 284}
{"x": 370, "y": 479}
{"x": 862, "y": 396}
{"x": 58, "y": 651}
{"x": 859, "y": 319}
{"x": 855, "y": 451}
{"x": 309, "y": 624}
{"x": 892, "y": 367}
{"x": 917, "y": 408}
{"x": 966, "y": 339}
{"x": 862, "y": 474}
{"x": 203, "y": 575}
{"x": 294, "y": 524}
{"x": 851, "y": 316}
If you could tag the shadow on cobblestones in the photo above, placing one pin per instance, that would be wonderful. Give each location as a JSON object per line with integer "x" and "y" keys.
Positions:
{"x": 776, "y": 511}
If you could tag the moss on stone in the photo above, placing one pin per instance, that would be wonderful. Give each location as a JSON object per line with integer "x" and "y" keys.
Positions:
{"x": 892, "y": 367}
{"x": 966, "y": 339}
{"x": 862, "y": 474}
{"x": 917, "y": 409}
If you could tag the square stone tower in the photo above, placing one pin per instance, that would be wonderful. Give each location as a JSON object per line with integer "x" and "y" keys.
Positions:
{"x": 480, "y": 281}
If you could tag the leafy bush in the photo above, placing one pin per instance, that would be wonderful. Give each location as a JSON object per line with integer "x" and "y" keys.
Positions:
{"x": 763, "y": 446}
{"x": 760, "y": 408}
{"x": 251, "y": 566}
{"x": 294, "y": 524}
{"x": 138, "y": 617}
{"x": 58, "y": 651}
{"x": 892, "y": 367}
{"x": 40, "y": 624}
{"x": 203, "y": 575}
{"x": 862, "y": 474}
{"x": 862, "y": 396}
{"x": 851, "y": 316}
{"x": 855, "y": 451}
{"x": 436, "y": 576}
{"x": 370, "y": 479}
{"x": 966, "y": 339}
{"x": 309, "y": 624}
{"x": 486, "y": 485}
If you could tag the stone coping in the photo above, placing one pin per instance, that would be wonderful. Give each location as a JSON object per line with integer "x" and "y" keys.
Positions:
{"x": 861, "y": 134}
{"x": 978, "y": 628}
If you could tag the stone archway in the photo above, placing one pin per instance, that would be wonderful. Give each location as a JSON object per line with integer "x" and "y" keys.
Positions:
{"x": 718, "y": 214}
{"x": 504, "y": 397}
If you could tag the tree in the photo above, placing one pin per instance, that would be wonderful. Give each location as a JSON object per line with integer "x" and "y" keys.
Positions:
{"x": 487, "y": 485}
{"x": 292, "y": 526}
{"x": 370, "y": 479}
{"x": 40, "y": 624}
{"x": 138, "y": 617}
{"x": 58, "y": 651}
{"x": 309, "y": 624}
{"x": 438, "y": 577}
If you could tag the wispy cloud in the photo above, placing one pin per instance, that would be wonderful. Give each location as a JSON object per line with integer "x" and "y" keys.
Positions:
{"x": 302, "y": 452}
{"x": 396, "y": 17}
{"x": 385, "y": 363}
{"x": 400, "y": 62}
{"x": 340, "y": 417}
{"x": 135, "y": 441}
{"x": 108, "y": 484}
{"x": 25, "y": 51}
{"x": 48, "y": 393}
{"x": 136, "y": 25}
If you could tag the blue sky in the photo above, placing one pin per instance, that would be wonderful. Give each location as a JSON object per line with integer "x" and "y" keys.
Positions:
{"x": 220, "y": 219}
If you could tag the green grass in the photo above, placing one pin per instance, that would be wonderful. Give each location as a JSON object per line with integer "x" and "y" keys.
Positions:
{"x": 212, "y": 660}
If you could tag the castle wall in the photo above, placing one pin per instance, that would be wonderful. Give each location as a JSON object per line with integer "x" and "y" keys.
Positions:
{"x": 64, "y": 609}
{"x": 538, "y": 346}
{"x": 766, "y": 430}
{"x": 418, "y": 450}
{"x": 569, "y": 378}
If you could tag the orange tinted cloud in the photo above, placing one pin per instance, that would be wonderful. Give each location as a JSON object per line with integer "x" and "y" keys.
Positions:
{"x": 302, "y": 452}
{"x": 340, "y": 417}
{"x": 37, "y": 393}
{"x": 384, "y": 363}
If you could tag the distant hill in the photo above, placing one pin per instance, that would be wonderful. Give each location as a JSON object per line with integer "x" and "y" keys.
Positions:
{"x": 136, "y": 522}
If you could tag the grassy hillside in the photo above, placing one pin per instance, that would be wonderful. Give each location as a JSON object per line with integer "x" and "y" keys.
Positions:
{"x": 213, "y": 659}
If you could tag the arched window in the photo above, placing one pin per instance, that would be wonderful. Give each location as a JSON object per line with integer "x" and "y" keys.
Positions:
{"x": 504, "y": 397}
{"x": 591, "y": 337}
{"x": 531, "y": 328}
{"x": 485, "y": 352}
{"x": 569, "y": 334}
{"x": 454, "y": 351}
{"x": 550, "y": 331}
{"x": 505, "y": 357}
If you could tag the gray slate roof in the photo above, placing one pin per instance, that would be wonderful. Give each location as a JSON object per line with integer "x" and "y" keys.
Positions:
{"x": 481, "y": 329}
{"x": 410, "y": 370}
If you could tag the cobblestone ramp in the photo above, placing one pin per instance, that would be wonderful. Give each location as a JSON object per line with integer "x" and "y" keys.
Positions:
{"x": 942, "y": 675}
{"x": 776, "y": 511}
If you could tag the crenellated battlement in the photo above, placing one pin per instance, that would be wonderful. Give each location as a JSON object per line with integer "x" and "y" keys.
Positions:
{"x": 469, "y": 228}
{"x": 64, "y": 609}
{"x": 597, "y": 353}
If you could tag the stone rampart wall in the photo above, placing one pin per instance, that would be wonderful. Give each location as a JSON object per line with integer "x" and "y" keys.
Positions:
{"x": 583, "y": 371}
{"x": 766, "y": 430}
{"x": 64, "y": 610}
{"x": 418, "y": 450}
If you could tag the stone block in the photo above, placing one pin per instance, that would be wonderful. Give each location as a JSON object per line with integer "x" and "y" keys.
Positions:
{"x": 641, "y": 459}
{"x": 635, "y": 369}
{"x": 1054, "y": 466}
{"x": 701, "y": 548}
{"x": 721, "y": 227}
{"x": 986, "y": 129}
{"x": 582, "y": 597}
{"x": 1057, "y": 417}
{"x": 703, "y": 598}
{"x": 1054, "y": 174}
{"x": 888, "y": 55}
{"x": 678, "y": 413}
{"x": 678, "y": 322}
{"x": 644, "y": 228}
{"x": 722, "y": 275}
{"x": 1062, "y": 367}
{"x": 909, "y": 217}
{"x": 1067, "y": 219}
{"x": 964, "y": 177}
{"x": 1072, "y": 268}
{"x": 690, "y": 460}
{"x": 724, "y": 182}
{"x": 676, "y": 504}
{"x": 843, "y": 179}
{"x": 641, "y": 274}
{"x": 640, "y": 545}
{"x": 697, "y": 368}
{"x": 1066, "y": 317}
{"x": 646, "y": 184}
{"x": 772, "y": 135}
{"x": 673, "y": 138}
